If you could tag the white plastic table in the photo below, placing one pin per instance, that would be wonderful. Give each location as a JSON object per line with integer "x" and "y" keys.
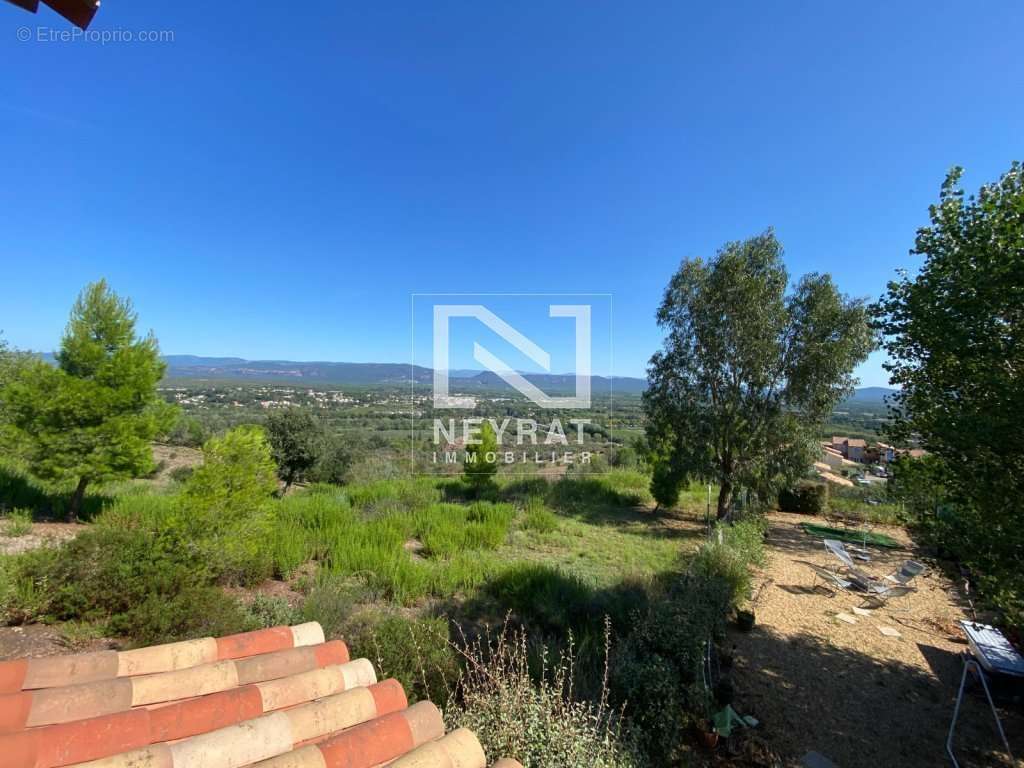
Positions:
{"x": 992, "y": 654}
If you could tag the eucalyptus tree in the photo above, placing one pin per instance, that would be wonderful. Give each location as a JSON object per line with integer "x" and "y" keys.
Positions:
{"x": 749, "y": 370}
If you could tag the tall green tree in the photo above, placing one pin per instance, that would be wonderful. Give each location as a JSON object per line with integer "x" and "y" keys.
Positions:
{"x": 93, "y": 416}
{"x": 12, "y": 363}
{"x": 481, "y": 462}
{"x": 748, "y": 370}
{"x": 296, "y": 441}
{"x": 954, "y": 333}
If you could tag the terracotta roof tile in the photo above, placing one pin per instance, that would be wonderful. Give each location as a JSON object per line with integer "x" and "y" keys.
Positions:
{"x": 276, "y": 698}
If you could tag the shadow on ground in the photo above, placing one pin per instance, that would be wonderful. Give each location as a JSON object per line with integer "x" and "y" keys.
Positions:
{"x": 862, "y": 713}
{"x": 18, "y": 491}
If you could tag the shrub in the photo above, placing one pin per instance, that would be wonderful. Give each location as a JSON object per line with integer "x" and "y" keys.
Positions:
{"x": 659, "y": 668}
{"x": 181, "y": 474}
{"x": 537, "y": 721}
{"x": 625, "y": 457}
{"x": 416, "y": 652}
{"x": 331, "y": 602}
{"x": 539, "y": 518}
{"x": 556, "y": 602}
{"x": 334, "y": 463}
{"x": 186, "y": 430}
{"x": 806, "y": 498}
{"x": 193, "y": 611}
{"x": 729, "y": 555}
{"x": 108, "y": 571}
{"x": 297, "y": 442}
{"x": 271, "y": 611}
{"x": 23, "y": 599}
{"x": 236, "y": 478}
{"x": 544, "y": 596}
{"x": 17, "y": 522}
{"x": 746, "y": 538}
{"x": 481, "y": 463}
{"x": 523, "y": 488}
{"x": 583, "y": 495}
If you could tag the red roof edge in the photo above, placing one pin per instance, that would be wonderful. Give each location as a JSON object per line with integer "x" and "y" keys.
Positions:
{"x": 78, "y": 12}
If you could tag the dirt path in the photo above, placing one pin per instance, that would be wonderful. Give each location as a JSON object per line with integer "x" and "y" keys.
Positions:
{"x": 846, "y": 690}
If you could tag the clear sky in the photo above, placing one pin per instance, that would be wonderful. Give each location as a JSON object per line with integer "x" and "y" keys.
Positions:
{"x": 277, "y": 180}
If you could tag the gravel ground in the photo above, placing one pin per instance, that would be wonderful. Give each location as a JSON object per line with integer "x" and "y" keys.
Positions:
{"x": 847, "y": 690}
{"x": 42, "y": 534}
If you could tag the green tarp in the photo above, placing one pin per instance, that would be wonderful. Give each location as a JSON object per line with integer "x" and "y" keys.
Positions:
{"x": 855, "y": 537}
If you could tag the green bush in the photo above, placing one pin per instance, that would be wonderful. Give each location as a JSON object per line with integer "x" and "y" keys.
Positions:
{"x": 181, "y": 474}
{"x": 587, "y": 494}
{"x": 192, "y": 611}
{"x": 658, "y": 669}
{"x": 331, "y": 602}
{"x": 17, "y": 522}
{"x": 142, "y": 583}
{"x": 271, "y": 611}
{"x": 236, "y": 478}
{"x": 105, "y": 572}
{"x": 556, "y": 602}
{"x": 24, "y": 599}
{"x": 729, "y": 555}
{"x": 746, "y": 538}
{"x": 539, "y": 518}
{"x": 334, "y": 462}
{"x": 807, "y": 498}
{"x": 416, "y": 652}
{"x": 625, "y": 457}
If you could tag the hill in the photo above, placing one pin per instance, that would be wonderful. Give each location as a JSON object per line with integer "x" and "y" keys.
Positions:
{"x": 373, "y": 375}
{"x": 868, "y": 397}
{"x": 186, "y": 367}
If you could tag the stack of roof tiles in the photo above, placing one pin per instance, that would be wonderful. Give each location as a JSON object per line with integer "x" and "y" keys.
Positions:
{"x": 275, "y": 698}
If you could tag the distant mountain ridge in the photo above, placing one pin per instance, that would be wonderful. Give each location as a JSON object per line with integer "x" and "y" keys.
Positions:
{"x": 866, "y": 395}
{"x": 401, "y": 374}
{"x": 374, "y": 374}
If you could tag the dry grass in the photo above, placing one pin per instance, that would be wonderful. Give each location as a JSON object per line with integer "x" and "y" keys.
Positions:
{"x": 846, "y": 690}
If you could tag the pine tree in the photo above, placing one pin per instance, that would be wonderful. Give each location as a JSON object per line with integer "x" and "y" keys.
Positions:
{"x": 92, "y": 417}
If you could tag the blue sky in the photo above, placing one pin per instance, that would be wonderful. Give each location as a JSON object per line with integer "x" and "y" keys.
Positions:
{"x": 277, "y": 181}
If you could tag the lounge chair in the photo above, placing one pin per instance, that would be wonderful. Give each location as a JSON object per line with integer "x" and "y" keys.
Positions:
{"x": 878, "y": 595}
{"x": 856, "y": 577}
{"x": 836, "y": 548}
{"x": 907, "y": 572}
{"x": 828, "y": 577}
